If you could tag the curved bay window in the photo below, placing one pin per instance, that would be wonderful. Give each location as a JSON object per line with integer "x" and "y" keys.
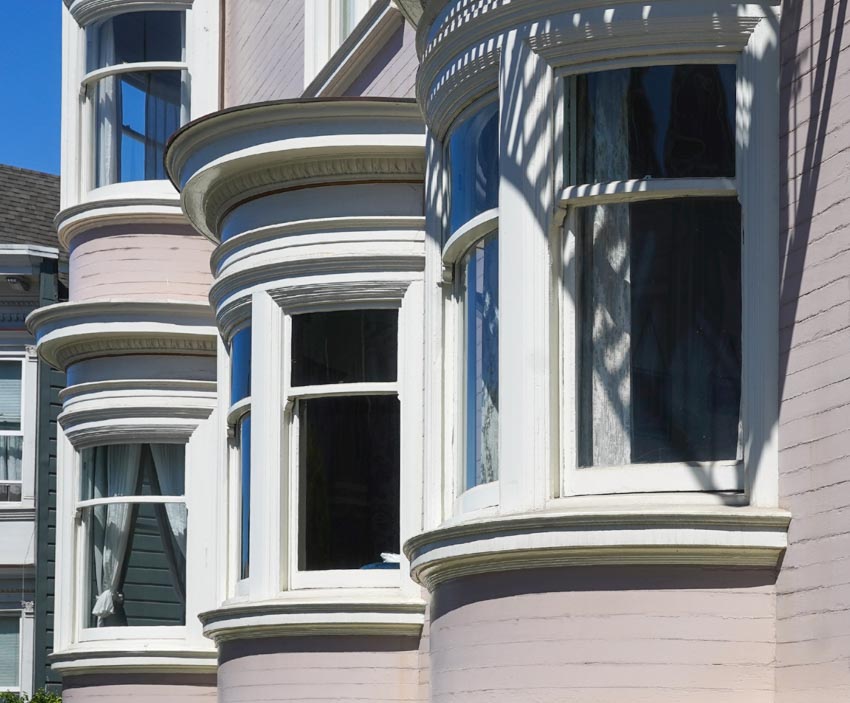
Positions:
{"x": 134, "y": 519}
{"x": 240, "y": 419}
{"x": 655, "y": 227}
{"x": 137, "y": 89}
{"x": 473, "y": 155}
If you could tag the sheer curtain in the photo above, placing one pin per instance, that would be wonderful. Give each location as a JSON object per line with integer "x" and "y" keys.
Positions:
{"x": 116, "y": 473}
{"x": 169, "y": 462}
{"x": 108, "y": 109}
{"x": 162, "y": 118}
{"x": 10, "y": 457}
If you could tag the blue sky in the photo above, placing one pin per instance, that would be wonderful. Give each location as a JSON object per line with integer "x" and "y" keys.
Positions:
{"x": 30, "y": 70}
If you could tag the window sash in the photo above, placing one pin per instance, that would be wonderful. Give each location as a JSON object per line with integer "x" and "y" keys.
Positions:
{"x": 10, "y": 650}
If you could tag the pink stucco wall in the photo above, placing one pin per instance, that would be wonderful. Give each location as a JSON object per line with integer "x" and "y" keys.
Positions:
{"x": 813, "y": 590}
{"x": 140, "y": 261}
{"x": 604, "y": 635}
{"x": 392, "y": 72}
{"x": 139, "y": 688}
{"x": 319, "y": 669}
{"x": 263, "y": 50}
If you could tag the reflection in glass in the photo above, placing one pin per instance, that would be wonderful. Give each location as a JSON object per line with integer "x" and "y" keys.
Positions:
{"x": 474, "y": 166}
{"x": 134, "y": 37}
{"x": 660, "y": 344}
{"x": 135, "y": 114}
{"x": 481, "y": 323}
{"x": 244, "y": 434}
{"x": 348, "y": 346}
{"x": 350, "y": 455}
{"x": 240, "y": 365}
{"x": 137, "y": 551}
{"x": 656, "y": 121}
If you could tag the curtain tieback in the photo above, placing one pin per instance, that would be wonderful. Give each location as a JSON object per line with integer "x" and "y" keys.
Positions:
{"x": 104, "y": 606}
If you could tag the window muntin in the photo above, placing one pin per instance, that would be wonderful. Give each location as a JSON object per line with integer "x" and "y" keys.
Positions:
{"x": 240, "y": 397}
{"x": 473, "y": 153}
{"x": 11, "y": 431}
{"x": 136, "y": 89}
{"x": 10, "y": 650}
{"x": 347, "y": 434}
{"x": 135, "y": 520}
{"x": 658, "y": 334}
{"x": 480, "y": 285}
{"x": 654, "y": 122}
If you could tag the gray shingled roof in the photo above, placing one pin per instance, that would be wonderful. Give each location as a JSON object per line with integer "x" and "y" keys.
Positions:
{"x": 29, "y": 200}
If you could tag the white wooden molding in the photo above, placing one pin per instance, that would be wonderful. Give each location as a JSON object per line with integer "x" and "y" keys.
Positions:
{"x": 88, "y": 11}
{"x": 142, "y": 658}
{"x": 647, "y": 189}
{"x": 687, "y": 536}
{"x": 465, "y": 236}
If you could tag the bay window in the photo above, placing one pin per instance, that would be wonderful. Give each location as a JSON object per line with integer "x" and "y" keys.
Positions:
{"x": 11, "y": 431}
{"x": 136, "y": 88}
{"x": 653, "y": 238}
{"x": 240, "y": 420}
{"x": 134, "y": 521}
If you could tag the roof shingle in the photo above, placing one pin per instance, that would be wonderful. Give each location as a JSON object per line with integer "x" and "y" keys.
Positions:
{"x": 29, "y": 200}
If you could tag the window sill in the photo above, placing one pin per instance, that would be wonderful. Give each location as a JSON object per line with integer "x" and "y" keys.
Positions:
{"x": 674, "y": 535}
{"x": 320, "y": 612}
{"x": 149, "y": 656}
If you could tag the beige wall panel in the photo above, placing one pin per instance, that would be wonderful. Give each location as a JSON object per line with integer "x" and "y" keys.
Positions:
{"x": 392, "y": 73}
{"x": 319, "y": 669}
{"x": 263, "y": 50}
{"x": 118, "y": 688}
{"x": 129, "y": 262}
{"x": 813, "y": 589}
{"x": 596, "y": 635}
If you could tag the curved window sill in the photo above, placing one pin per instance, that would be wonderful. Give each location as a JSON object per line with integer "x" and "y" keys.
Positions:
{"x": 321, "y": 612}
{"x": 676, "y": 535}
{"x": 148, "y": 656}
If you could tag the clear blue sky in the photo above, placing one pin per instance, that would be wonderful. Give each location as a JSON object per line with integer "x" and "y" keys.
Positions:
{"x": 30, "y": 70}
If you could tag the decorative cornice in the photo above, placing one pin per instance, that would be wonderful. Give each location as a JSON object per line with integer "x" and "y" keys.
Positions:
{"x": 296, "y": 616}
{"x": 121, "y": 658}
{"x": 687, "y": 536}
{"x": 71, "y": 332}
{"x": 235, "y": 155}
{"x": 88, "y": 11}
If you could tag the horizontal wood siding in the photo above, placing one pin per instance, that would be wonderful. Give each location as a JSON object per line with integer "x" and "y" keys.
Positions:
{"x": 813, "y": 590}
{"x": 140, "y": 688}
{"x": 392, "y": 73}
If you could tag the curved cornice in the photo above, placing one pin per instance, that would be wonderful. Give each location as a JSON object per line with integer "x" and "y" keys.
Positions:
{"x": 236, "y": 155}
{"x": 88, "y": 11}
{"x": 722, "y": 536}
{"x": 124, "y": 657}
{"x": 67, "y": 333}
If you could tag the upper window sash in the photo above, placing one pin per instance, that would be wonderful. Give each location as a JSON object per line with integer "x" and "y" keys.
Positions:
{"x": 136, "y": 37}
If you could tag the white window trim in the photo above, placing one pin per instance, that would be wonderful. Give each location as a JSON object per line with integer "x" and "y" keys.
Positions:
{"x": 322, "y": 36}
{"x": 22, "y": 686}
{"x": 29, "y": 420}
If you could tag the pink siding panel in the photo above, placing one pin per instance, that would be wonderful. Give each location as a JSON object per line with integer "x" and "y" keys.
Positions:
{"x": 139, "y": 688}
{"x": 813, "y": 589}
{"x": 392, "y": 73}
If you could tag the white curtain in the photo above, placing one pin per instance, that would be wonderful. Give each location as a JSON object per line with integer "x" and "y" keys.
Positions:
{"x": 112, "y": 521}
{"x": 11, "y": 447}
{"x": 169, "y": 463}
{"x": 108, "y": 117}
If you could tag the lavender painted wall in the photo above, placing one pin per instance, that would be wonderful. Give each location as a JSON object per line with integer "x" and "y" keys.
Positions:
{"x": 263, "y": 50}
{"x": 140, "y": 261}
{"x": 813, "y": 590}
{"x": 139, "y": 688}
{"x": 319, "y": 669}
{"x": 392, "y": 73}
{"x": 604, "y": 635}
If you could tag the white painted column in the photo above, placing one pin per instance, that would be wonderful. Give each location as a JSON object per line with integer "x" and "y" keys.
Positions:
{"x": 27, "y": 647}
{"x": 526, "y": 158}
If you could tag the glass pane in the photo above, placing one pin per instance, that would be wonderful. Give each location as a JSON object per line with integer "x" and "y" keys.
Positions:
{"x": 134, "y": 37}
{"x": 11, "y": 451}
{"x": 240, "y": 365}
{"x": 119, "y": 470}
{"x": 245, "y": 495}
{"x": 350, "y": 453}
{"x": 660, "y": 332}
{"x": 481, "y": 322}
{"x": 135, "y": 114}
{"x": 10, "y": 492}
{"x": 657, "y": 121}
{"x": 474, "y": 166}
{"x": 10, "y": 650}
{"x": 10, "y": 395}
{"x": 348, "y": 346}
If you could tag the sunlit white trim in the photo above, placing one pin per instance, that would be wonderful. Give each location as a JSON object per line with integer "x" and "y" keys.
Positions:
{"x": 646, "y": 189}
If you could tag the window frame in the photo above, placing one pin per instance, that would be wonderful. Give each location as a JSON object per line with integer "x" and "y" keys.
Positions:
{"x": 332, "y": 578}
{"x": 82, "y": 602}
{"x": 725, "y": 477}
{"x": 18, "y": 433}
{"x": 88, "y": 83}
{"x": 19, "y": 615}
{"x": 29, "y": 419}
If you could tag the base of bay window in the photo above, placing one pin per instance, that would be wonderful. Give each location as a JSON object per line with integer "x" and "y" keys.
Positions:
{"x": 678, "y": 535}
{"x": 302, "y": 613}
{"x": 74, "y": 662}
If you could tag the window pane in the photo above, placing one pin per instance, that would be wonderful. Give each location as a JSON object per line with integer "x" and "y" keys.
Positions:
{"x": 134, "y": 37}
{"x": 660, "y": 331}
{"x": 132, "y": 470}
{"x": 474, "y": 166}
{"x": 135, "y": 114}
{"x": 658, "y": 121}
{"x": 10, "y": 395}
{"x": 348, "y": 346}
{"x": 481, "y": 322}
{"x": 10, "y": 650}
{"x": 240, "y": 365}
{"x": 245, "y": 495}
{"x": 350, "y": 457}
{"x": 11, "y": 450}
